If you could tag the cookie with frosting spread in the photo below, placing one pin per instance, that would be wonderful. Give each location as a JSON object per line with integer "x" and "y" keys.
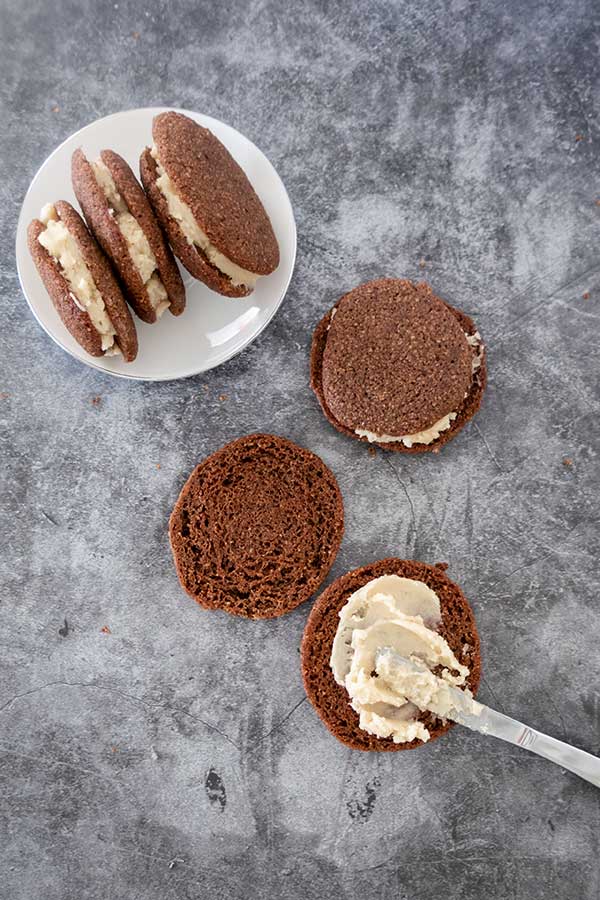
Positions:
{"x": 256, "y": 527}
{"x": 80, "y": 282}
{"x": 394, "y": 365}
{"x": 206, "y": 205}
{"x": 120, "y": 217}
{"x": 453, "y": 625}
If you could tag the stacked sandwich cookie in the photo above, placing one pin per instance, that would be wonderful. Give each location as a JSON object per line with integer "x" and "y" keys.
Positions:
{"x": 394, "y": 365}
{"x": 206, "y": 205}
{"x": 80, "y": 283}
{"x": 361, "y": 629}
{"x": 119, "y": 216}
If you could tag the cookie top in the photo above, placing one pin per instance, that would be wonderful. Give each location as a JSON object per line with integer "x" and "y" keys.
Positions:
{"x": 256, "y": 527}
{"x": 195, "y": 261}
{"x": 391, "y": 358}
{"x": 396, "y": 360}
{"x": 76, "y": 320}
{"x": 330, "y": 699}
{"x": 217, "y": 191}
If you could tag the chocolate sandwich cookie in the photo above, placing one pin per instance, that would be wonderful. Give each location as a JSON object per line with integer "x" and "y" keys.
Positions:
{"x": 394, "y": 365}
{"x": 121, "y": 218}
{"x": 256, "y": 527}
{"x": 80, "y": 283}
{"x": 210, "y": 212}
{"x": 391, "y": 606}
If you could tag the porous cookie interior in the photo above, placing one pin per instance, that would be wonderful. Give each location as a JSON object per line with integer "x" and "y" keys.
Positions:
{"x": 257, "y": 527}
{"x": 330, "y": 699}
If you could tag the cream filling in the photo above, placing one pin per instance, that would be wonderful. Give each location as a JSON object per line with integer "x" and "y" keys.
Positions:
{"x": 388, "y": 616}
{"x": 194, "y": 235}
{"x": 428, "y": 435}
{"x": 63, "y": 247}
{"x": 137, "y": 243}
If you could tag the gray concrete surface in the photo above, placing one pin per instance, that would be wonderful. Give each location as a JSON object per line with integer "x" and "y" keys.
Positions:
{"x": 176, "y": 757}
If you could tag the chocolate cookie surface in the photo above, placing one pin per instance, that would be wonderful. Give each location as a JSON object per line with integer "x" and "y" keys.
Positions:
{"x": 76, "y": 320}
{"x": 194, "y": 260}
{"x": 102, "y": 221}
{"x": 217, "y": 191}
{"x": 330, "y": 699}
{"x": 256, "y": 527}
{"x": 391, "y": 358}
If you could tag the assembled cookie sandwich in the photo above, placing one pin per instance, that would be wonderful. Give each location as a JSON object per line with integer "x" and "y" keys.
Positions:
{"x": 206, "y": 205}
{"x": 394, "y": 365}
{"x": 80, "y": 282}
{"x": 120, "y": 217}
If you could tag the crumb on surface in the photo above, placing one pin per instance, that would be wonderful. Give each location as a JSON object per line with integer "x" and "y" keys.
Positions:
{"x": 96, "y": 401}
{"x": 135, "y": 35}
{"x": 158, "y": 465}
{"x": 4, "y": 395}
{"x": 55, "y": 109}
{"x": 372, "y": 451}
{"x": 422, "y": 263}
{"x": 567, "y": 461}
{"x": 105, "y": 630}
{"x": 223, "y": 397}
{"x": 586, "y": 295}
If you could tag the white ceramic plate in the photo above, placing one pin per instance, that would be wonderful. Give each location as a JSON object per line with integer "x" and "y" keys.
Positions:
{"x": 212, "y": 328}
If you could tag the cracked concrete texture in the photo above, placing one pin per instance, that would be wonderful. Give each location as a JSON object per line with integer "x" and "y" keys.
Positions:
{"x": 152, "y": 749}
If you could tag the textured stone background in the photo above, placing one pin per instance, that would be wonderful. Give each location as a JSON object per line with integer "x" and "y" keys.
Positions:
{"x": 176, "y": 756}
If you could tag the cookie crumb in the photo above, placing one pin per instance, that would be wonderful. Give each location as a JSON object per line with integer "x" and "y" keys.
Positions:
{"x": 372, "y": 451}
{"x": 96, "y": 401}
{"x": 567, "y": 461}
{"x": 158, "y": 465}
{"x": 422, "y": 263}
{"x": 597, "y": 202}
{"x": 586, "y": 295}
{"x": 223, "y": 397}
{"x": 105, "y": 630}
{"x": 4, "y": 395}
{"x": 55, "y": 109}
{"x": 135, "y": 35}
{"x": 578, "y": 138}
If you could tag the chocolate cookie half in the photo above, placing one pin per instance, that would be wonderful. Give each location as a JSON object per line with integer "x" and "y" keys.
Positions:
{"x": 391, "y": 603}
{"x": 256, "y": 527}
{"x": 120, "y": 217}
{"x": 210, "y": 212}
{"x": 394, "y": 365}
{"x": 80, "y": 283}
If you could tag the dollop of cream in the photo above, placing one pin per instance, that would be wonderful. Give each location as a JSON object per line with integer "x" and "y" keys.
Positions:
{"x": 387, "y": 618}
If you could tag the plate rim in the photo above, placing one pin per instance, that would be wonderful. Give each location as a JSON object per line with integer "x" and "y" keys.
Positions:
{"x": 154, "y": 110}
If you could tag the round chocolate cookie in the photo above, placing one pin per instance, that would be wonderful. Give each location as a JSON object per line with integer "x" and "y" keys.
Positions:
{"x": 103, "y": 219}
{"x": 392, "y": 360}
{"x": 220, "y": 200}
{"x": 330, "y": 699}
{"x": 256, "y": 527}
{"x": 74, "y": 316}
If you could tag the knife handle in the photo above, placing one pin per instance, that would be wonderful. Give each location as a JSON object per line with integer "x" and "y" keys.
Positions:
{"x": 578, "y": 761}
